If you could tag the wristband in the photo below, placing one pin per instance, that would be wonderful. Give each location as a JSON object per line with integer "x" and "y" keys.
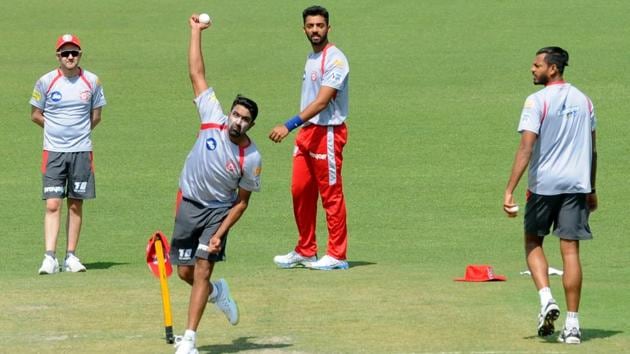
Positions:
{"x": 592, "y": 190}
{"x": 293, "y": 123}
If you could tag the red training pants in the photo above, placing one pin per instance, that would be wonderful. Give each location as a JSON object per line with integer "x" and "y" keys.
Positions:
{"x": 317, "y": 161}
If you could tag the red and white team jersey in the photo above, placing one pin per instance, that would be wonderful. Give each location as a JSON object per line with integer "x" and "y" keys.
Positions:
{"x": 216, "y": 167}
{"x": 563, "y": 118}
{"x": 67, "y": 104}
{"x": 328, "y": 67}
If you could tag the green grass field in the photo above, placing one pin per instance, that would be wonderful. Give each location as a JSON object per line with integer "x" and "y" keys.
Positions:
{"x": 436, "y": 92}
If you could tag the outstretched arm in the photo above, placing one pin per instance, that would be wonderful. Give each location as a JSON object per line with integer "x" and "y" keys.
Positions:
{"x": 521, "y": 160}
{"x": 196, "y": 67}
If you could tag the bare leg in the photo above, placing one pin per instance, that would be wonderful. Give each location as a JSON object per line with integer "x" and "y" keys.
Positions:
{"x": 201, "y": 288}
{"x": 73, "y": 226}
{"x": 52, "y": 220}
{"x": 572, "y": 277}
{"x": 536, "y": 260}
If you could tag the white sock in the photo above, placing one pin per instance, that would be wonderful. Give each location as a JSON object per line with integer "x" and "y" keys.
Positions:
{"x": 189, "y": 333}
{"x": 545, "y": 295}
{"x": 572, "y": 320}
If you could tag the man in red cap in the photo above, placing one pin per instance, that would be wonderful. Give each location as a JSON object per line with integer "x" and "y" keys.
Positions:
{"x": 67, "y": 103}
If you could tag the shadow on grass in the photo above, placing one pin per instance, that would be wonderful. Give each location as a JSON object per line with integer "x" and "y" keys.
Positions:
{"x": 353, "y": 264}
{"x": 102, "y": 265}
{"x": 587, "y": 334}
{"x": 241, "y": 344}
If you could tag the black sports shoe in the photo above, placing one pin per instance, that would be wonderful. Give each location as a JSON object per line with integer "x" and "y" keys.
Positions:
{"x": 570, "y": 336}
{"x": 549, "y": 313}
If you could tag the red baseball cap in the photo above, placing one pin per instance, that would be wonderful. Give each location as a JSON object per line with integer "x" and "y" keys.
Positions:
{"x": 68, "y": 38}
{"x": 477, "y": 273}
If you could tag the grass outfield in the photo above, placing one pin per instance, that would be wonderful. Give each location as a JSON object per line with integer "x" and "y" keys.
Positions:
{"x": 436, "y": 92}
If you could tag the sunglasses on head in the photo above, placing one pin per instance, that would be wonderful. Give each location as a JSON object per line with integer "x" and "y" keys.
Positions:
{"x": 67, "y": 53}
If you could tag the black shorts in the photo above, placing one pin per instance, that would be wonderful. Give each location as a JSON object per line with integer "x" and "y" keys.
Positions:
{"x": 567, "y": 213}
{"x": 194, "y": 226}
{"x": 68, "y": 174}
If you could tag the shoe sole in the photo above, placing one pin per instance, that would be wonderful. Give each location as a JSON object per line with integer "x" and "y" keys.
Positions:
{"x": 547, "y": 327}
{"x": 340, "y": 267}
{"x": 292, "y": 265}
{"x": 74, "y": 271}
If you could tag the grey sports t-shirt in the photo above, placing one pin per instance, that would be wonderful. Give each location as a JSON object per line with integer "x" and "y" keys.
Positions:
{"x": 216, "y": 167}
{"x": 563, "y": 118}
{"x": 67, "y": 104}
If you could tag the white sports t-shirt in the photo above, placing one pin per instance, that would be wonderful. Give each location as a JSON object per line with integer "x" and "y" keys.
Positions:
{"x": 67, "y": 104}
{"x": 326, "y": 68}
{"x": 563, "y": 118}
{"x": 216, "y": 167}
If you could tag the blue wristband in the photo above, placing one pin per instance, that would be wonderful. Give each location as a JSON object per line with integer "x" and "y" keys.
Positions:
{"x": 293, "y": 123}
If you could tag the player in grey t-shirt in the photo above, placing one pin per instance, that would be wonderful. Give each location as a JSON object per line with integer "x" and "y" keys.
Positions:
{"x": 557, "y": 129}
{"x": 221, "y": 171}
{"x": 67, "y": 103}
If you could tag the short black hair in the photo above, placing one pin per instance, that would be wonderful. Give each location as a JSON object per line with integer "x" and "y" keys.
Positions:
{"x": 555, "y": 55}
{"x": 251, "y": 106}
{"x": 315, "y": 10}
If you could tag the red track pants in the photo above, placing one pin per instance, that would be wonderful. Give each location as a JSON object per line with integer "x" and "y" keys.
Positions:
{"x": 317, "y": 161}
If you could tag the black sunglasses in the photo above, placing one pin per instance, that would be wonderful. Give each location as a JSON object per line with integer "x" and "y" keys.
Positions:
{"x": 66, "y": 53}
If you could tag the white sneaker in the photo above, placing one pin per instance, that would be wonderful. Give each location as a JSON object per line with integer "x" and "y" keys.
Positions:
{"x": 50, "y": 265}
{"x": 327, "y": 263}
{"x": 73, "y": 264}
{"x": 292, "y": 259}
{"x": 224, "y": 301}
{"x": 546, "y": 317}
{"x": 570, "y": 336}
{"x": 185, "y": 345}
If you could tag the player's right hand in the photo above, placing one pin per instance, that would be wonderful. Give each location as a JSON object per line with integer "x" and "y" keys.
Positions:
{"x": 194, "y": 23}
{"x": 278, "y": 133}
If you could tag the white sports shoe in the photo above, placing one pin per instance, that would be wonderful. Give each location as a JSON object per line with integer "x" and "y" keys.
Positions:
{"x": 570, "y": 336}
{"x": 327, "y": 263}
{"x": 73, "y": 264}
{"x": 548, "y": 314}
{"x": 185, "y": 345}
{"x": 224, "y": 301}
{"x": 292, "y": 259}
{"x": 50, "y": 265}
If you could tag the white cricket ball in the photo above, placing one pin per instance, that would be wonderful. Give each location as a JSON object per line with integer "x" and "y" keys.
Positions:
{"x": 204, "y": 18}
{"x": 513, "y": 209}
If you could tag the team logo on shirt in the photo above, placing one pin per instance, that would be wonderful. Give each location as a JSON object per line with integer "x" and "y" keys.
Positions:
{"x": 55, "y": 96}
{"x": 211, "y": 144}
{"x": 314, "y": 76}
{"x": 229, "y": 166}
{"x": 85, "y": 95}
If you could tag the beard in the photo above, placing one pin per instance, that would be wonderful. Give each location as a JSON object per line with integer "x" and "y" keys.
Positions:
{"x": 322, "y": 38}
{"x": 541, "y": 80}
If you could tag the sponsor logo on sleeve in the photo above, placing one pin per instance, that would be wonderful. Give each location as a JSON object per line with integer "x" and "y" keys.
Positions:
{"x": 257, "y": 171}
{"x": 528, "y": 104}
{"x": 37, "y": 95}
{"x": 338, "y": 63}
{"x": 314, "y": 76}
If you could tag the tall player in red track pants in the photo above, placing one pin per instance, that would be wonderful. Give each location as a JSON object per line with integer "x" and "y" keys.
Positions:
{"x": 317, "y": 162}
